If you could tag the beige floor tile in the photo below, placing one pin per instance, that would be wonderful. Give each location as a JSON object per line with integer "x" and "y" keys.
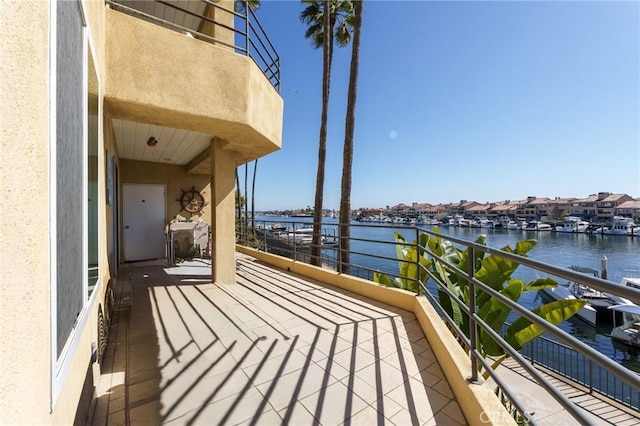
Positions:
{"x": 367, "y": 417}
{"x": 287, "y": 389}
{"x": 420, "y": 401}
{"x": 452, "y": 409}
{"x": 367, "y": 389}
{"x": 335, "y": 404}
{"x": 281, "y": 364}
{"x": 296, "y": 414}
{"x": 146, "y": 414}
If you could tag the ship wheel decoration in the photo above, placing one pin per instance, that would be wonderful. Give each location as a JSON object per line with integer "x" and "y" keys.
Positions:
{"x": 192, "y": 200}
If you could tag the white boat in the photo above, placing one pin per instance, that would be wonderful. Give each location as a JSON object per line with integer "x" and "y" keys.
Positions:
{"x": 489, "y": 224}
{"x": 631, "y": 282}
{"x": 620, "y": 226}
{"x": 598, "y": 301}
{"x": 600, "y": 230}
{"x": 573, "y": 224}
{"x": 627, "y": 330}
{"x": 565, "y": 292}
{"x": 535, "y": 225}
{"x": 512, "y": 224}
{"x": 478, "y": 222}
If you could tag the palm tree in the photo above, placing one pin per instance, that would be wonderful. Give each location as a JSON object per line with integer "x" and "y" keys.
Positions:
{"x": 239, "y": 202}
{"x": 239, "y": 5}
{"x": 336, "y": 24}
{"x": 246, "y": 206}
{"x": 347, "y": 155}
{"x": 253, "y": 196}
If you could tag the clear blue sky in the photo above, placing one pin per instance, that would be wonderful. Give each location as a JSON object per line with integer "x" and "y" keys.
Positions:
{"x": 484, "y": 101}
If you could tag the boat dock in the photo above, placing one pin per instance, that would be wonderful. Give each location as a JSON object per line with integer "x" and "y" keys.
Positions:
{"x": 547, "y": 411}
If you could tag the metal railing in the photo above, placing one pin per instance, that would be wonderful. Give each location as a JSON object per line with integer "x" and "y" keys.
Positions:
{"x": 585, "y": 365}
{"x": 566, "y": 362}
{"x": 190, "y": 17}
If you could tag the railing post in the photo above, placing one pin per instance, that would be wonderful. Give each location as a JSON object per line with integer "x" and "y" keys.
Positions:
{"x": 418, "y": 268}
{"x": 590, "y": 376}
{"x": 472, "y": 322}
{"x": 246, "y": 27}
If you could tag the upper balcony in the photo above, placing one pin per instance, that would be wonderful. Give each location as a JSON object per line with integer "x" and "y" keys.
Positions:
{"x": 194, "y": 65}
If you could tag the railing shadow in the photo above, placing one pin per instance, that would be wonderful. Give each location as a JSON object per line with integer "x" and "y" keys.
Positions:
{"x": 620, "y": 376}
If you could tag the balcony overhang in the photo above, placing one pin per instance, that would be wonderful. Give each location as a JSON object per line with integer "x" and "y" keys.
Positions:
{"x": 165, "y": 78}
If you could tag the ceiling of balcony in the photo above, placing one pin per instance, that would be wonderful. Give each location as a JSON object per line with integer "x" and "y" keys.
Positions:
{"x": 174, "y": 146}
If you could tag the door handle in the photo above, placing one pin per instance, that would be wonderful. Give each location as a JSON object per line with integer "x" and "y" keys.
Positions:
{"x": 126, "y": 227}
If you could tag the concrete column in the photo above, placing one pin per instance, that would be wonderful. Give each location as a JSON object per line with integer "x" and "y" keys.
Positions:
{"x": 219, "y": 16}
{"x": 223, "y": 265}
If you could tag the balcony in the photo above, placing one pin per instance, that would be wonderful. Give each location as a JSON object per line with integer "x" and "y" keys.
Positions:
{"x": 295, "y": 344}
{"x": 275, "y": 348}
{"x": 193, "y": 65}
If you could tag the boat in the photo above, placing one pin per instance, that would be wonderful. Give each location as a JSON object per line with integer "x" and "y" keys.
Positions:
{"x": 573, "y": 224}
{"x": 478, "y": 222}
{"x": 627, "y": 330}
{"x": 621, "y": 226}
{"x": 631, "y": 282}
{"x": 463, "y": 223}
{"x": 596, "y": 310}
{"x": 535, "y": 225}
{"x": 512, "y": 224}
{"x": 598, "y": 229}
{"x": 566, "y": 292}
{"x": 489, "y": 224}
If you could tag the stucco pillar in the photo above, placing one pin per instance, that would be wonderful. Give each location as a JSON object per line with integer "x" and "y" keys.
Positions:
{"x": 223, "y": 235}
{"x": 219, "y": 16}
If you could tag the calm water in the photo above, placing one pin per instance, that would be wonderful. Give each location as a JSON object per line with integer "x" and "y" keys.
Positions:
{"x": 558, "y": 249}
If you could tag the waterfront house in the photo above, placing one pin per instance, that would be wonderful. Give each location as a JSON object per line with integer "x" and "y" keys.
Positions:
{"x": 606, "y": 204}
{"x": 112, "y": 111}
{"x": 629, "y": 209}
{"x": 119, "y": 119}
{"x": 461, "y": 208}
{"x": 503, "y": 209}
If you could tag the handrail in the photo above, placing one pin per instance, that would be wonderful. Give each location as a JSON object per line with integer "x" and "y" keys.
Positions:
{"x": 611, "y": 368}
{"x": 263, "y": 54}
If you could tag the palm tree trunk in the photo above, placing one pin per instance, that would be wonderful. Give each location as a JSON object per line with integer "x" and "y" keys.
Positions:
{"x": 344, "y": 228}
{"x": 246, "y": 201}
{"x": 253, "y": 196}
{"x": 238, "y": 207}
{"x": 316, "y": 249}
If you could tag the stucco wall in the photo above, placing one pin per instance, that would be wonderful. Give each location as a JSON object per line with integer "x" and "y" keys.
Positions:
{"x": 25, "y": 255}
{"x": 159, "y": 76}
{"x": 24, "y": 222}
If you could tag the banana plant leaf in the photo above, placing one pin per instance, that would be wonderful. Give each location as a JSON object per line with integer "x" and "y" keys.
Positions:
{"x": 448, "y": 304}
{"x": 495, "y": 314}
{"x": 497, "y": 270}
{"x": 523, "y": 331}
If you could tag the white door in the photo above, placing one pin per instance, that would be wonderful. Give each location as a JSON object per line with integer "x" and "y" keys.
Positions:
{"x": 144, "y": 222}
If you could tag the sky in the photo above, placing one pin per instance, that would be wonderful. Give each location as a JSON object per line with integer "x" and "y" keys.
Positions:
{"x": 481, "y": 101}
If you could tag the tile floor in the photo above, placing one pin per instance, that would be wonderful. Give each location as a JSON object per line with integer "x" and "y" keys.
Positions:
{"x": 273, "y": 349}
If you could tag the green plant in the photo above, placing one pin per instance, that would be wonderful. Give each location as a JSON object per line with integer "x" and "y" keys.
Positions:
{"x": 494, "y": 271}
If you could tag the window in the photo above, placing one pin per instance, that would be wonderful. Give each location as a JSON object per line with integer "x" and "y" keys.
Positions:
{"x": 74, "y": 181}
{"x": 69, "y": 157}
